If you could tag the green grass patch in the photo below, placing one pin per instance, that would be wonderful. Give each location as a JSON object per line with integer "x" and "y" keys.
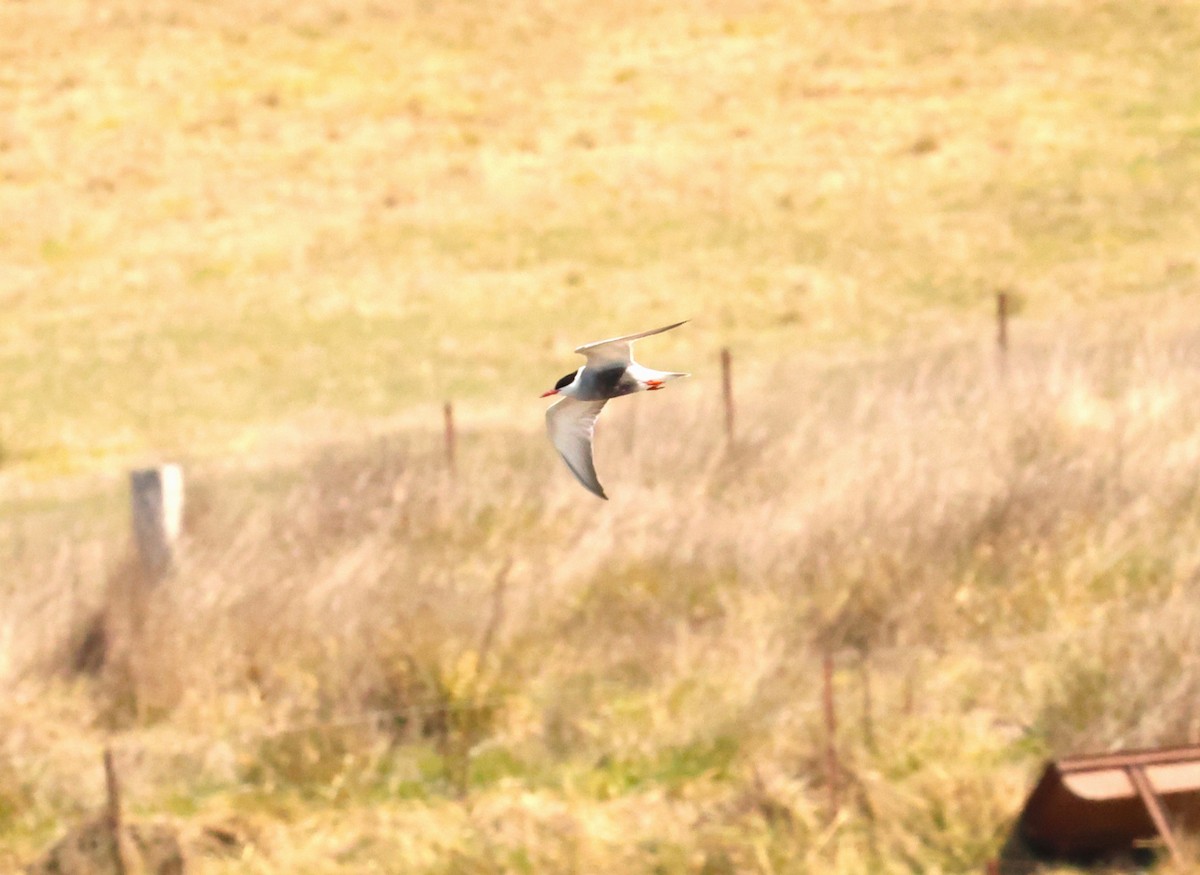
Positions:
{"x": 671, "y": 768}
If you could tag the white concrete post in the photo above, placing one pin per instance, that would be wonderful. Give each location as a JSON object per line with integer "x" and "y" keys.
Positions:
{"x": 157, "y": 504}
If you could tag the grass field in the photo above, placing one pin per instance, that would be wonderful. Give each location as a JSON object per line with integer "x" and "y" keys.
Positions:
{"x": 224, "y": 223}
{"x": 270, "y": 240}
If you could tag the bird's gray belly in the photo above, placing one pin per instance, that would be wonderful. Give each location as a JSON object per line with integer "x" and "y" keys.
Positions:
{"x": 600, "y": 383}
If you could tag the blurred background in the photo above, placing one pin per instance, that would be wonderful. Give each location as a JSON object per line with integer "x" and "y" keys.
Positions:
{"x": 269, "y": 241}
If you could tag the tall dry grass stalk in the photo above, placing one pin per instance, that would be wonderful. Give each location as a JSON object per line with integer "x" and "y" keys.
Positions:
{"x": 1011, "y": 557}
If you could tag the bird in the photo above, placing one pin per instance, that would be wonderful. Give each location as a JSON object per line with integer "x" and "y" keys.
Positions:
{"x": 610, "y": 372}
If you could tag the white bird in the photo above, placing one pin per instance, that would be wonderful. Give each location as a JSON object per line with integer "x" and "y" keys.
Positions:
{"x": 609, "y": 373}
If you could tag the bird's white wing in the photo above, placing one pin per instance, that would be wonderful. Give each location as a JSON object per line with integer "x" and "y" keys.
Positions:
{"x": 571, "y": 423}
{"x": 617, "y": 350}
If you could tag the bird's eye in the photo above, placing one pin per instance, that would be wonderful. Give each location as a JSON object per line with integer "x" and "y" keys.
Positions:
{"x": 565, "y": 381}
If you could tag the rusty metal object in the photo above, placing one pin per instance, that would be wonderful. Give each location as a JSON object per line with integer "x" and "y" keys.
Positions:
{"x": 1087, "y": 807}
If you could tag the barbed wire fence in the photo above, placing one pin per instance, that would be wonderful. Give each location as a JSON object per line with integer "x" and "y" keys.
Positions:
{"x": 156, "y": 504}
{"x": 832, "y": 710}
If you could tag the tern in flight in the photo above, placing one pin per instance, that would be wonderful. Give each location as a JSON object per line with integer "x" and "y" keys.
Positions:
{"x": 609, "y": 373}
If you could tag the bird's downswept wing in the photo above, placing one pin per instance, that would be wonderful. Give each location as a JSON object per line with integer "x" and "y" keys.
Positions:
{"x": 617, "y": 349}
{"x": 571, "y": 424}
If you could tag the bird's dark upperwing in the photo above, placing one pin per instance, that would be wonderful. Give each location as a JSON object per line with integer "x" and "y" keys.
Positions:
{"x": 617, "y": 350}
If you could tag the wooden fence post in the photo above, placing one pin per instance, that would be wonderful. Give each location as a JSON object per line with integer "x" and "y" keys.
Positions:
{"x": 157, "y": 505}
{"x": 450, "y": 438}
{"x": 1002, "y": 324}
{"x": 867, "y": 704}
{"x": 832, "y": 771}
{"x": 112, "y": 813}
{"x": 727, "y": 391}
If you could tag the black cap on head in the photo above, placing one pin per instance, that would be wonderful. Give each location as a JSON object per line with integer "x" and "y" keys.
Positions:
{"x": 565, "y": 381}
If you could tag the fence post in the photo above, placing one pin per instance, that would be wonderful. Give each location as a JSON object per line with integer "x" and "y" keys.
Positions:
{"x": 867, "y": 704}
{"x": 112, "y": 812}
{"x": 450, "y": 438}
{"x": 832, "y": 772}
{"x": 1002, "y": 324}
{"x": 157, "y": 507}
{"x": 727, "y": 391}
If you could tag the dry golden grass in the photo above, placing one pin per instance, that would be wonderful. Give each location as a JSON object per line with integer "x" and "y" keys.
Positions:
{"x": 229, "y": 223}
{"x": 363, "y": 666}
{"x": 270, "y": 238}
